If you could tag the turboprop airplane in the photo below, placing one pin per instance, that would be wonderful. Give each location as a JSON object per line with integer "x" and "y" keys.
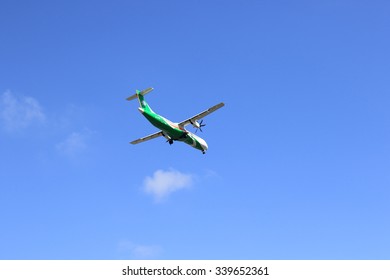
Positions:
{"x": 170, "y": 130}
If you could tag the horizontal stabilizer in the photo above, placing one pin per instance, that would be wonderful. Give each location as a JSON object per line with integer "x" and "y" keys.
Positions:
{"x": 134, "y": 96}
{"x": 145, "y": 91}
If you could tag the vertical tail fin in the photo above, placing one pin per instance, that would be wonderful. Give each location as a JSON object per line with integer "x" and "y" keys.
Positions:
{"x": 140, "y": 95}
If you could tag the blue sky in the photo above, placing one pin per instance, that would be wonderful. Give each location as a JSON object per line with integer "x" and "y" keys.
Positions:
{"x": 298, "y": 165}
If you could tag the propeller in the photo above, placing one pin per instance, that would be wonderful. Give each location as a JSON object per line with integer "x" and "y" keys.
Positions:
{"x": 200, "y": 126}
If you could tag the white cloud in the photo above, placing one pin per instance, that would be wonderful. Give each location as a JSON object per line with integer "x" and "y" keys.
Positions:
{"x": 137, "y": 251}
{"x": 19, "y": 112}
{"x": 142, "y": 251}
{"x": 163, "y": 183}
{"x": 75, "y": 143}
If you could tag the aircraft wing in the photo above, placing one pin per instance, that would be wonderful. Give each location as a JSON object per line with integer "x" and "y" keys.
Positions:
{"x": 146, "y": 138}
{"x": 201, "y": 115}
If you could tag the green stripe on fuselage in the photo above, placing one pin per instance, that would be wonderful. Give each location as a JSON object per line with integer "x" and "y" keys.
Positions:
{"x": 191, "y": 140}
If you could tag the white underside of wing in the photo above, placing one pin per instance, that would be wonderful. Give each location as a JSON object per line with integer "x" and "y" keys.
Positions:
{"x": 146, "y": 138}
{"x": 201, "y": 115}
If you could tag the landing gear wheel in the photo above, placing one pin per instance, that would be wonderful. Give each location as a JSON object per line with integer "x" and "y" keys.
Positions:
{"x": 170, "y": 141}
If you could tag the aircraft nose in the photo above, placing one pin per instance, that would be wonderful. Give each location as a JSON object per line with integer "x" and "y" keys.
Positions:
{"x": 204, "y": 145}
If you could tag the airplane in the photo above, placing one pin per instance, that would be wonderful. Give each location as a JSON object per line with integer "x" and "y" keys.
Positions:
{"x": 170, "y": 130}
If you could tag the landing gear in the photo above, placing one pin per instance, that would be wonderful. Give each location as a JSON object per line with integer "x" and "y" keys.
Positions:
{"x": 169, "y": 139}
{"x": 203, "y": 152}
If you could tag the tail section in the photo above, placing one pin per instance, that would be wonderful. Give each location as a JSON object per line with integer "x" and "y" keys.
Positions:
{"x": 140, "y": 95}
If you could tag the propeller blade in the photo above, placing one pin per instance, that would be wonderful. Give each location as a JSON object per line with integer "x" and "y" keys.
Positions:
{"x": 200, "y": 126}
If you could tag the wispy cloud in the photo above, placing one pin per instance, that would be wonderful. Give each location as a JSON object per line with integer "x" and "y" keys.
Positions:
{"x": 163, "y": 183}
{"x": 137, "y": 251}
{"x": 142, "y": 251}
{"x": 75, "y": 143}
{"x": 19, "y": 112}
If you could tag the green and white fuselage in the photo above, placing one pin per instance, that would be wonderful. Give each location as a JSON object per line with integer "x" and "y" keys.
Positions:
{"x": 170, "y": 130}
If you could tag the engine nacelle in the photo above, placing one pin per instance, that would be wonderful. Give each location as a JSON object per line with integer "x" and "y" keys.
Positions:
{"x": 195, "y": 124}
